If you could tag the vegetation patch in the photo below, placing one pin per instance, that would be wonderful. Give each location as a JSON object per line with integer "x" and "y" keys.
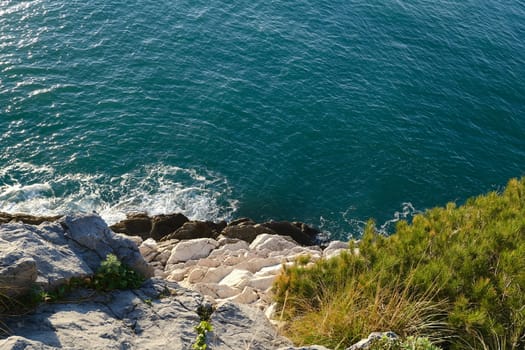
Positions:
{"x": 455, "y": 275}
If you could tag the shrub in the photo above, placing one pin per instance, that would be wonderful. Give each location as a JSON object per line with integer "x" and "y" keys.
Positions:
{"x": 463, "y": 265}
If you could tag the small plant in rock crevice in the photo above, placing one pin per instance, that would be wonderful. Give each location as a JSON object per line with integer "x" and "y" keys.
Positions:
{"x": 204, "y": 311}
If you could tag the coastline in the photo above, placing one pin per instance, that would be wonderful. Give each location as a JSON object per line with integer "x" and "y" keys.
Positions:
{"x": 232, "y": 271}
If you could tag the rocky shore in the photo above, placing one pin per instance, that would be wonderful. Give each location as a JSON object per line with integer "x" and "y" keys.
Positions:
{"x": 230, "y": 266}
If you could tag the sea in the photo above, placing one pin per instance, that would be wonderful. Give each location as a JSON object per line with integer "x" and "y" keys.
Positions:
{"x": 325, "y": 112}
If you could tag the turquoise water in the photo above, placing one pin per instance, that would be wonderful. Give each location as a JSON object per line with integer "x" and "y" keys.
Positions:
{"x": 328, "y": 112}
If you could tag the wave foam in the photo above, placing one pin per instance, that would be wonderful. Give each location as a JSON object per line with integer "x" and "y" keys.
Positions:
{"x": 155, "y": 189}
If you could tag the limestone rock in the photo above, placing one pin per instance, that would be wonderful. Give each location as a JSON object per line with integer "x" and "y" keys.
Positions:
{"x": 366, "y": 343}
{"x": 142, "y": 319}
{"x": 272, "y": 243}
{"x": 192, "y": 250}
{"x": 237, "y": 278}
{"x": 27, "y": 256}
{"x": 238, "y": 326}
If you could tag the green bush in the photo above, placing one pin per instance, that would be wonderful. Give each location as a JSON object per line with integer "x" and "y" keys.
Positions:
{"x": 464, "y": 266}
{"x": 112, "y": 274}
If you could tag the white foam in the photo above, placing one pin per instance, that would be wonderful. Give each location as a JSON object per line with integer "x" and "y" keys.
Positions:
{"x": 155, "y": 189}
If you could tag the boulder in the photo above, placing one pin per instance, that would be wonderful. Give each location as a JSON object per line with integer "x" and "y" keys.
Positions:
{"x": 246, "y": 232}
{"x": 156, "y": 227}
{"x": 27, "y": 256}
{"x": 91, "y": 234}
{"x": 162, "y": 225}
{"x": 136, "y": 224}
{"x": 52, "y": 253}
{"x": 192, "y": 250}
{"x": 300, "y": 232}
{"x": 272, "y": 243}
{"x": 194, "y": 229}
{"x": 237, "y": 278}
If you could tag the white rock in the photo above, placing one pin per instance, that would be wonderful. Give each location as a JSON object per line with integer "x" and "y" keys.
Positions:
{"x": 196, "y": 275}
{"x": 192, "y": 250}
{"x": 336, "y": 245}
{"x": 233, "y": 260}
{"x": 209, "y": 262}
{"x": 163, "y": 257}
{"x": 271, "y": 243}
{"x": 335, "y": 252}
{"x": 261, "y": 283}
{"x": 256, "y": 264}
{"x": 177, "y": 275}
{"x": 215, "y": 275}
{"x": 270, "y": 270}
{"x": 237, "y": 278}
{"x": 248, "y": 296}
{"x": 217, "y": 291}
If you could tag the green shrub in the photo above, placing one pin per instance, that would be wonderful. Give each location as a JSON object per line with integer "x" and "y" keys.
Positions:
{"x": 112, "y": 274}
{"x": 467, "y": 262}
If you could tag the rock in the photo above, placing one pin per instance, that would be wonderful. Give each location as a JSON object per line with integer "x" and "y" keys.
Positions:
{"x": 300, "y": 232}
{"x": 52, "y": 253}
{"x": 241, "y": 221}
{"x": 196, "y": 275}
{"x": 192, "y": 250}
{"x": 239, "y": 326}
{"x": 272, "y": 243}
{"x": 246, "y": 232}
{"x": 18, "y": 276}
{"x": 217, "y": 291}
{"x": 261, "y": 283}
{"x": 28, "y": 256}
{"x": 136, "y": 224}
{"x": 92, "y": 233}
{"x": 247, "y": 296}
{"x": 194, "y": 229}
{"x": 156, "y": 227}
{"x": 366, "y": 343}
{"x": 162, "y": 225}
{"x": 215, "y": 275}
{"x": 237, "y": 278}
{"x": 148, "y": 318}
{"x": 27, "y": 219}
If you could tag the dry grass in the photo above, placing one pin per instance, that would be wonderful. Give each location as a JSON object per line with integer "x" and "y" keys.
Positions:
{"x": 355, "y": 311}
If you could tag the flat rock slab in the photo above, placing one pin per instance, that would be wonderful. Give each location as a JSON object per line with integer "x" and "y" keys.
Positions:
{"x": 160, "y": 315}
{"x": 238, "y": 326}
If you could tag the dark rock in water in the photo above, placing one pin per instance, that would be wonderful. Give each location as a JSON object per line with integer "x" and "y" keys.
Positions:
{"x": 165, "y": 224}
{"x": 246, "y": 232}
{"x": 27, "y": 219}
{"x": 242, "y": 221}
{"x": 156, "y": 227}
{"x": 300, "y": 232}
{"x": 193, "y": 229}
{"x": 137, "y": 224}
